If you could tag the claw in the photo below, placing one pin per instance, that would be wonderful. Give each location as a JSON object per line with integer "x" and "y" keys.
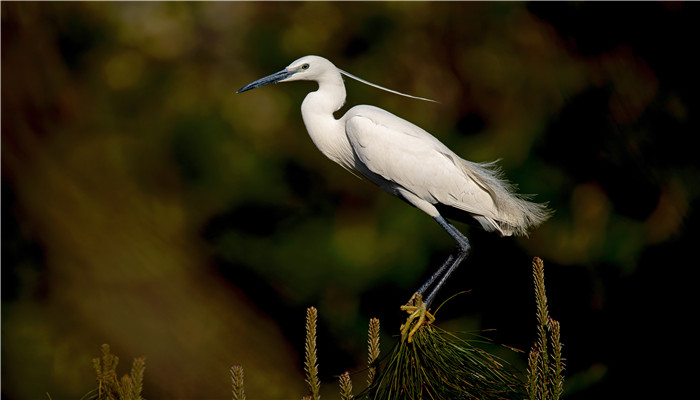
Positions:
{"x": 416, "y": 309}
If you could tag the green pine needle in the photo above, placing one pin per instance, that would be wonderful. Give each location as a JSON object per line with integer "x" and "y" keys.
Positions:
{"x": 435, "y": 365}
{"x": 439, "y": 365}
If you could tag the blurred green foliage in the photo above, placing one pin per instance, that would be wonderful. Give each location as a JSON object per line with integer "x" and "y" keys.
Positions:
{"x": 147, "y": 205}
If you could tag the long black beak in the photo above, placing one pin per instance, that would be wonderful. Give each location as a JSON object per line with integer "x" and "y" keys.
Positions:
{"x": 276, "y": 77}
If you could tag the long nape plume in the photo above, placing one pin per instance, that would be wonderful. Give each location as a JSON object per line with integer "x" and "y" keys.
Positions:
{"x": 349, "y": 75}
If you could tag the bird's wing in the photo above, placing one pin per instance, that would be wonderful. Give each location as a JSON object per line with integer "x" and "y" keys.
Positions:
{"x": 410, "y": 158}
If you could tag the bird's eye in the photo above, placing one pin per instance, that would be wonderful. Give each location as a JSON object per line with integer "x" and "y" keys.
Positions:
{"x": 305, "y": 66}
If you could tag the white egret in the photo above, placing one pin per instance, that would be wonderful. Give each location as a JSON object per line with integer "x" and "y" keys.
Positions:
{"x": 408, "y": 162}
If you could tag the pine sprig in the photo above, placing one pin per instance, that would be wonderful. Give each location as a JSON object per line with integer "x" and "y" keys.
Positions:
{"x": 435, "y": 365}
{"x": 106, "y": 371}
{"x": 345, "y": 387}
{"x": 542, "y": 326}
{"x": 558, "y": 372}
{"x": 545, "y": 372}
{"x": 138, "y": 367}
{"x": 532, "y": 384}
{"x": 311, "y": 359}
{"x": 372, "y": 349}
{"x": 129, "y": 387}
{"x": 125, "y": 388}
{"x": 237, "y": 382}
{"x": 439, "y": 365}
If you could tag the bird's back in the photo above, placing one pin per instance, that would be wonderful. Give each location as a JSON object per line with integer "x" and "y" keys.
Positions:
{"x": 409, "y": 162}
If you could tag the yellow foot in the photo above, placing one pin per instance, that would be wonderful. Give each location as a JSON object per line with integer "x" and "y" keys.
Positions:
{"x": 416, "y": 309}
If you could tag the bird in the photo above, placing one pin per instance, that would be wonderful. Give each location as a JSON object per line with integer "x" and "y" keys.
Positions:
{"x": 408, "y": 162}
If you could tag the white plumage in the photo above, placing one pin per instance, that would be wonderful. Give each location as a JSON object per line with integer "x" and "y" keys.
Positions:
{"x": 406, "y": 161}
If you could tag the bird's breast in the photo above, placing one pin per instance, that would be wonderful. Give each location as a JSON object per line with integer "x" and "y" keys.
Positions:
{"x": 328, "y": 134}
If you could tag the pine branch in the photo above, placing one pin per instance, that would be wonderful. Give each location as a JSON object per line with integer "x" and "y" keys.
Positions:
{"x": 532, "y": 362}
{"x": 345, "y": 387}
{"x": 129, "y": 387}
{"x": 372, "y": 349}
{"x": 311, "y": 361}
{"x": 124, "y": 388}
{"x": 438, "y": 365}
{"x": 545, "y": 371}
{"x": 543, "y": 324}
{"x": 137, "y": 371}
{"x": 557, "y": 380}
{"x": 106, "y": 371}
{"x": 237, "y": 382}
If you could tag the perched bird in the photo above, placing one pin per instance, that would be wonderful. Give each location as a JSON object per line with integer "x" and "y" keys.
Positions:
{"x": 408, "y": 162}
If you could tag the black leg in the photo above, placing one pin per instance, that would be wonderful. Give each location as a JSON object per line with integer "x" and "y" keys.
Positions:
{"x": 450, "y": 265}
{"x": 461, "y": 254}
{"x": 437, "y": 274}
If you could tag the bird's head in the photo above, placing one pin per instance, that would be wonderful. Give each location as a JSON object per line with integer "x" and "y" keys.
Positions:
{"x": 315, "y": 68}
{"x": 308, "y": 68}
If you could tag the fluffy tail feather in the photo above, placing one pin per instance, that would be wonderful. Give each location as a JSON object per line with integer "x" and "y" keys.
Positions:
{"x": 516, "y": 215}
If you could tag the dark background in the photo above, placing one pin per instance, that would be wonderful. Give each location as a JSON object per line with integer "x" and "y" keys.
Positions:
{"x": 148, "y": 206}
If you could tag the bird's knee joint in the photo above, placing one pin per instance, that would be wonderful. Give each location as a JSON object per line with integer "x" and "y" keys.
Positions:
{"x": 463, "y": 248}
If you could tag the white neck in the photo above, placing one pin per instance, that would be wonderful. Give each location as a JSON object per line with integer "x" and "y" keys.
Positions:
{"x": 329, "y": 97}
{"x": 328, "y": 133}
